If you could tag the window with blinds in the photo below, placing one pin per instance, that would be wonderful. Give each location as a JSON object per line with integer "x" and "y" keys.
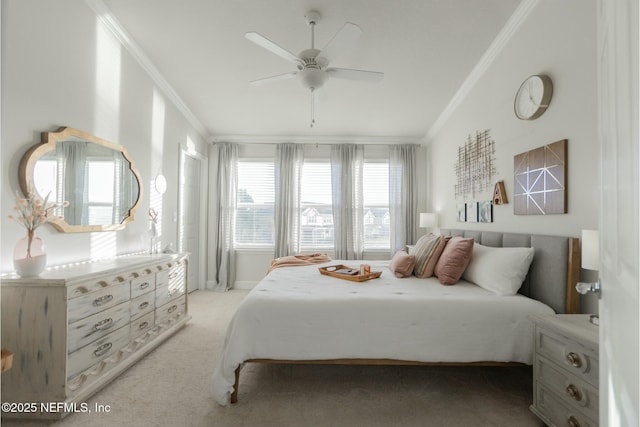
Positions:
{"x": 375, "y": 188}
{"x": 255, "y": 204}
{"x": 316, "y": 214}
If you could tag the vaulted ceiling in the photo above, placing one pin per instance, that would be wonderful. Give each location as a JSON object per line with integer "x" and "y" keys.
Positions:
{"x": 426, "y": 49}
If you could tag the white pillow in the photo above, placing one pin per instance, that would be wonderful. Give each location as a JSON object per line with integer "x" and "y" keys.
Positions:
{"x": 499, "y": 270}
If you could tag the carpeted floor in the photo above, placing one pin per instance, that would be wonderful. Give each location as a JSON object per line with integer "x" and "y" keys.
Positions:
{"x": 171, "y": 387}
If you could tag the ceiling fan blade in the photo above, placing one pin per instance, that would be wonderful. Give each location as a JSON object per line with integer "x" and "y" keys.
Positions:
{"x": 360, "y": 75}
{"x": 272, "y": 79}
{"x": 342, "y": 41}
{"x": 273, "y": 47}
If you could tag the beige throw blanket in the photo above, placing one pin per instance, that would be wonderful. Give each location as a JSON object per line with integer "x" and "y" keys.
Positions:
{"x": 296, "y": 260}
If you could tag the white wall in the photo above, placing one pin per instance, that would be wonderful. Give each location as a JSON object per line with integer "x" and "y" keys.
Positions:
{"x": 60, "y": 67}
{"x": 558, "y": 39}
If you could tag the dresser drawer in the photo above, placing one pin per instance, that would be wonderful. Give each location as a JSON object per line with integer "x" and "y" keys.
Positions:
{"x": 92, "y": 303}
{"x": 142, "y": 284}
{"x": 98, "y": 350}
{"x": 100, "y": 324}
{"x": 142, "y": 325}
{"x": 142, "y": 305}
{"x": 575, "y": 392}
{"x": 577, "y": 359}
{"x": 556, "y": 411}
{"x": 174, "y": 308}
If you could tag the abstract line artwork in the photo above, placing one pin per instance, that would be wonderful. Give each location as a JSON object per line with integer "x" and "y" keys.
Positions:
{"x": 539, "y": 179}
{"x": 475, "y": 167}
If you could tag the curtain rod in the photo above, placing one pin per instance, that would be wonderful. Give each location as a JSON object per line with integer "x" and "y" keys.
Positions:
{"x": 320, "y": 140}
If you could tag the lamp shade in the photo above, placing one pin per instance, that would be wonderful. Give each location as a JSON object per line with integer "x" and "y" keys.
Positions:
{"x": 590, "y": 250}
{"x": 428, "y": 220}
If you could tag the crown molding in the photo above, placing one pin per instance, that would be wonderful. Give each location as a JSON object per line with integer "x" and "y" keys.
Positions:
{"x": 106, "y": 17}
{"x": 520, "y": 15}
{"x": 319, "y": 139}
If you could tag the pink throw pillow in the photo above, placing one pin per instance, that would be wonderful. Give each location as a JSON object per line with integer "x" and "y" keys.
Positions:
{"x": 454, "y": 260}
{"x": 402, "y": 264}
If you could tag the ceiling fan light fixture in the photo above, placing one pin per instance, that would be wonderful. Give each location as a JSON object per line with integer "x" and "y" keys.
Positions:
{"x": 311, "y": 78}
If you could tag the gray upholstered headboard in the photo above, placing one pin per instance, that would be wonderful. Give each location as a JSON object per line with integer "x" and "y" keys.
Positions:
{"x": 554, "y": 271}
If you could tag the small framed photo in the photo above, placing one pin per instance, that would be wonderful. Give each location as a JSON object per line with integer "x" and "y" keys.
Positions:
{"x": 485, "y": 211}
{"x": 472, "y": 212}
{"x": 461, "y": 212}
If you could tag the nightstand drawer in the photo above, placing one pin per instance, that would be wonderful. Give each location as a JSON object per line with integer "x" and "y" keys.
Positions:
{"x": 575, "y": 392}
{"x": 554, "y": 411}
{"x": 100, "y": 324}
{"x": 577, "y": 359}
{"x": 95, "y": 302}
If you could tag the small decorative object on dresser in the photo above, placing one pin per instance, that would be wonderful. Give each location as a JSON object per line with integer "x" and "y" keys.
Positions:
{"x": 74, "y": 329}
{"x": 565, "y": 370}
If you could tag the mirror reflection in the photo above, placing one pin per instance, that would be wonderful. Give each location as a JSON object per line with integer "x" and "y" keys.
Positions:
{"x": 96, "y": 177}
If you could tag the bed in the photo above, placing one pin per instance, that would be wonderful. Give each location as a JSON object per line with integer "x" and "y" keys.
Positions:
{"x": 297, "y": 315}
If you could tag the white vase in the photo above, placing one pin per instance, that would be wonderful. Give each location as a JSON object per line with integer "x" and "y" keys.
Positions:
{"x": 29, "y": 255}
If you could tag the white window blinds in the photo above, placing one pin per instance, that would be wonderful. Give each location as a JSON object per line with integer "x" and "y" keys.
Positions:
{"x": 255, "y": 204}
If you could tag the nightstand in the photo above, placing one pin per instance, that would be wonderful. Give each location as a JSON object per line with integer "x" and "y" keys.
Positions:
{"x": 565, "y": 370}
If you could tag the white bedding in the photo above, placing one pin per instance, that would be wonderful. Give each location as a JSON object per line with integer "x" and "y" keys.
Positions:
{"x": 295, "y": 313}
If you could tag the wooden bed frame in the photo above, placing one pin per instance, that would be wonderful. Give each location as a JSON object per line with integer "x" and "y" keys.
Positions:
{"x": 571, "y": 306}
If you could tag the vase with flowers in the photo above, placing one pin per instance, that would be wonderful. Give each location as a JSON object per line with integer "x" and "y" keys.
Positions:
{"x": 30, "y": 255}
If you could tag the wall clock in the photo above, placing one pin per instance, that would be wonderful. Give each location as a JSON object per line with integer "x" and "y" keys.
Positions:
{"x": 533, "y": 97}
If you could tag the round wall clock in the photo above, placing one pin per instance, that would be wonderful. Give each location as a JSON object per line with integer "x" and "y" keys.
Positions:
{"x": 533, "y": 97}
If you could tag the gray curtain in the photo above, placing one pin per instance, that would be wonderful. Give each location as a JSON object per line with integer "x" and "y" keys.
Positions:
{"x": 403, "y": 198}
{"x": 347, "y": 162}
{"x": 224, "y": 163}
{"x": 288, "y": 171}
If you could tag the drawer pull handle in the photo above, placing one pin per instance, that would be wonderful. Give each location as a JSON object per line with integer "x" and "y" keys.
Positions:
{"x": 144, "y": 285}
{"x": 574, "y": 360}
{"x": 102, "y": 300}
{"x": 173, "y": 276}
{"x": 172, "y": 309}
{"x": 103, "y": 324}
{"x": 573, "y": 392}
{"x": 103, "y": 349}
{"x": 572, "y": 422}
{"x": 144, "y": 305}
{"x": 143, "y": 325}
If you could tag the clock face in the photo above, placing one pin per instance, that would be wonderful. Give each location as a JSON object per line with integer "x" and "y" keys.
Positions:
{"x": 533, "y": 97}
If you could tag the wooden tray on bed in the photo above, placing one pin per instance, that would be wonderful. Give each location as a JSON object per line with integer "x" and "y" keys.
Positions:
{"x": 332, "y": 271}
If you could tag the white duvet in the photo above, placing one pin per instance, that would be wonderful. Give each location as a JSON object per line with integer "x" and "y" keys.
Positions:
{"x": 295, "y": 313}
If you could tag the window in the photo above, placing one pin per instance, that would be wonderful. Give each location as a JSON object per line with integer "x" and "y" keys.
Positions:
{"x": 100, "y": 176}
{"x": 375, "y": 189}
{"x": 316, "y": 214}
{"x": 255, "y": 204}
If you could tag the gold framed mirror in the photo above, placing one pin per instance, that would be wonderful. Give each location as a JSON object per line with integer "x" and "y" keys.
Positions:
{"x": 98, "y": 178}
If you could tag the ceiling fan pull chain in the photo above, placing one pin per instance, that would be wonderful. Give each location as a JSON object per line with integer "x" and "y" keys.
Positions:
{"x": 313, "y": 114}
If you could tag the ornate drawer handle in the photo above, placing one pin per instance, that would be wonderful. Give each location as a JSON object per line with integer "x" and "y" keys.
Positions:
{"x": 173, "y": 275}
{"x": 172, "y": 309}
{"x": 574, "y": 359}
{"x": 143, "y": 325}
{"x": 573, "y": 392}
{"x": 144, "y": 305}
{"x": 102, "y": 350}
{"x": 102, "y": 300}
{"x": 144, "y": 285}
{"x": 572, "y": 422}
{"x": 103, "y": 324}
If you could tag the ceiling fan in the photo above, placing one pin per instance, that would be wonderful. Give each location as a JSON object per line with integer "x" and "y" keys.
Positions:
{"x": 313, "y": 64}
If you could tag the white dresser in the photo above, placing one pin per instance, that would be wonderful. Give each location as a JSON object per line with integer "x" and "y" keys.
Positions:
{"x": 75, "y": 328}
{"x": 565, "y": 370}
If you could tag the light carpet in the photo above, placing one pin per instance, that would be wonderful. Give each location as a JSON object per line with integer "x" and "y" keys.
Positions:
{"x": 171, "y": 386}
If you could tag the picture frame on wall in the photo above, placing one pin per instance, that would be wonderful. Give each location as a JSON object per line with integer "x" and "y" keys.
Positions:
{"x": 472, "y": 212}
{"x": 485, "y": 211}
{"x": 461, "y": 211}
